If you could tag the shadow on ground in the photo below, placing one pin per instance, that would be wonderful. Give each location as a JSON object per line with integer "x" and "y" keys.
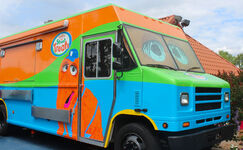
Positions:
{"x": 19, "y": 139}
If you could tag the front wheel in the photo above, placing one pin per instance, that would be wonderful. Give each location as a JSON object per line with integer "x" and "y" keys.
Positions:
{"x": 3, "y": 120}
{"x": 135, "y": 136}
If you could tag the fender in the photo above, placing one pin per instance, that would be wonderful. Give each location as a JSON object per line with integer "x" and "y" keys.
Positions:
{"x": 126, "y": 112}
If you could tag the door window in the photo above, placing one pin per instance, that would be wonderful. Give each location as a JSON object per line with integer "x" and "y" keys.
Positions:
{"x": 98, "y": 59}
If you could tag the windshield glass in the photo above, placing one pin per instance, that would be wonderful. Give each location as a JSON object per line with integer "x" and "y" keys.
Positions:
{"x": 153, "y": 48}
{"x": 150, "y": 47}
{"x": 184, "y": 55}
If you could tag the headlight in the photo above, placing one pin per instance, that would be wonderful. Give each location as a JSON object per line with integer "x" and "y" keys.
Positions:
{"x": 226, "y": 96}
{"x": 184, "y": 98}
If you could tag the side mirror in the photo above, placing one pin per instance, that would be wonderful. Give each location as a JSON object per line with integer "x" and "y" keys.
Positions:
{"x": 117, "y": 50}
{"x": 117, "y": 66}
{"x": 117, "y": 54}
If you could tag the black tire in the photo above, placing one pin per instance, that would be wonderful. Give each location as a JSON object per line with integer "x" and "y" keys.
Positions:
{"x": 135, "y": 136}
{"x": 3, "y": 120}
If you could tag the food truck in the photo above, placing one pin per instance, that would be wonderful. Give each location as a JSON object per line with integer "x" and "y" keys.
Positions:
{"x": 111, "y": 76}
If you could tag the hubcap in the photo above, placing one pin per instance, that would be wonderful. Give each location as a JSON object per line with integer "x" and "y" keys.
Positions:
{"x": 133, "y": 142}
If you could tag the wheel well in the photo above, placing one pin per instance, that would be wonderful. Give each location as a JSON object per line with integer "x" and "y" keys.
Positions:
{"x": 2, "y": 103}
{"x": 122, "y": 120}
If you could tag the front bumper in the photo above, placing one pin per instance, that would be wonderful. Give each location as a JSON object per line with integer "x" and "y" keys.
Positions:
{"x": 201, "y": 139}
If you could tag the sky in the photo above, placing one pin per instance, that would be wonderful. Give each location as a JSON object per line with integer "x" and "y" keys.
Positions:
{"x": 217, "y": 24}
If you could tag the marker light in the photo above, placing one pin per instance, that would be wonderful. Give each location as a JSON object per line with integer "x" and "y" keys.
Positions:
{"x": 184, "y": 98}
{"x": 226, "y": 96}
{"x": 165, "y": 125}
{"x": 186, "y": 124}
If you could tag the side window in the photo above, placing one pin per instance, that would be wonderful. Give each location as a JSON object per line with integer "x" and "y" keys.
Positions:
{"x": 90, "y": 59}
{"x": 104, "y": 58}
{"x": 98, "y": 59}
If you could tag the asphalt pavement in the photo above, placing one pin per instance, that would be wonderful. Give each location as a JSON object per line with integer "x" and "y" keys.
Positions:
{"x": 22, "y": 139}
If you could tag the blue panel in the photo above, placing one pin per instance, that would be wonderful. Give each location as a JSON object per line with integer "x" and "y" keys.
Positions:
{"x": 19, "y": 112}
{"x": 161, "y": 100}
{"x": 163, "y": 104}
{"x": 103, "y": 91}
{"x": 45, "y": 97}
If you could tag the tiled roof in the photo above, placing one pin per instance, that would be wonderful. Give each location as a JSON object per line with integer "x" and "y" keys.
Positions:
{"x": 211, "y": 61}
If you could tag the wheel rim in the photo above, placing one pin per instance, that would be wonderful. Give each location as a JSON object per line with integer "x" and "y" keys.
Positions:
{"x": 133, "y": 142}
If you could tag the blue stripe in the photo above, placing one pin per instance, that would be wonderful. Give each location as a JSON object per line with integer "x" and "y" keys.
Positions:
{"x": 90, "y": 123}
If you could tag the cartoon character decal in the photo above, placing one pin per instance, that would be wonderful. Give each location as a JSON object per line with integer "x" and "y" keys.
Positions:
{"x": 67, "y": 96}
{"x": 178, "y": 54}
{"x": 67, "y": 99}
{"x": 154, "y": 50}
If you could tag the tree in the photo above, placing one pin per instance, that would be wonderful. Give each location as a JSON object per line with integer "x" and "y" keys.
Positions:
{"x": 227, "y": 56}
{"x": 239, "y": 61}
{"x": 236, "y": 60}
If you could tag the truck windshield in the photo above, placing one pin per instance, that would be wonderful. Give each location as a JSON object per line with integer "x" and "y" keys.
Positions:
{"x": 156, "y": 50}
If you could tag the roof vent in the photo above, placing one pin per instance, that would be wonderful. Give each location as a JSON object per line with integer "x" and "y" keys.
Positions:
{"x": 48, "y": 21}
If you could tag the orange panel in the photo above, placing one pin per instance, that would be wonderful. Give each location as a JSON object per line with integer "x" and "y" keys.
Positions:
{"x": 99, "y": 17}
{"x": 146, "y": 22}
{"x": 41, "y": 30}
{"x": 18, "y": 63}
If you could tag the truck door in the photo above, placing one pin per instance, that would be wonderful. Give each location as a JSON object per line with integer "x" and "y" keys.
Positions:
{"x": 97, "y": 86}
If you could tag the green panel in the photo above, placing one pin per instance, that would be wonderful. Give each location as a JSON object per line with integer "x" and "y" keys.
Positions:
{"x": 181, "y": 78}
{"x": 132, "y": 75}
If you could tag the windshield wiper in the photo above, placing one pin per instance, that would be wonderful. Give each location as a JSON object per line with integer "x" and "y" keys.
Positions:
{"x": 160, "y": 66}
{"x": 192, "y": 68}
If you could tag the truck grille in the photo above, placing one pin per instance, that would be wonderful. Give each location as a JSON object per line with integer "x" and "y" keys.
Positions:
{"x": 207, "y": 98}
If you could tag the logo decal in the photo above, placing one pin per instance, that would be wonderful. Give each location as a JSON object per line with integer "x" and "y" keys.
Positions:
{"x": 61, "y": 44}
{"x": 196, "y": 76}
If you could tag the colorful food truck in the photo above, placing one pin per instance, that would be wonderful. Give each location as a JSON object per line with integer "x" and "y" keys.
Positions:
{"x": 111, "y": 75}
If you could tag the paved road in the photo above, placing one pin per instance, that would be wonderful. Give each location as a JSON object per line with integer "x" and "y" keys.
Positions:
{"x": 19, "y": 139}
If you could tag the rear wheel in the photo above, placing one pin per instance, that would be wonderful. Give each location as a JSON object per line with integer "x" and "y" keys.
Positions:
{"x": 3, "y": 120}
{"x": 135, "y": 136}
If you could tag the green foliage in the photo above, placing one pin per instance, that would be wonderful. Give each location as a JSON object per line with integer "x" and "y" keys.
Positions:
{"x": 241, "y": 115}
{"x": 227, "y": 56}
{"x": 236, "y": 97}
{"x": 236, "y": 60}
{"x": 239, "y": 61}
{"x": 236, "y": 87}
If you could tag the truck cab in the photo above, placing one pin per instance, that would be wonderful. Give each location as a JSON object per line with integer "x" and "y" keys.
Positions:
{"x": 181, "y": 102}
